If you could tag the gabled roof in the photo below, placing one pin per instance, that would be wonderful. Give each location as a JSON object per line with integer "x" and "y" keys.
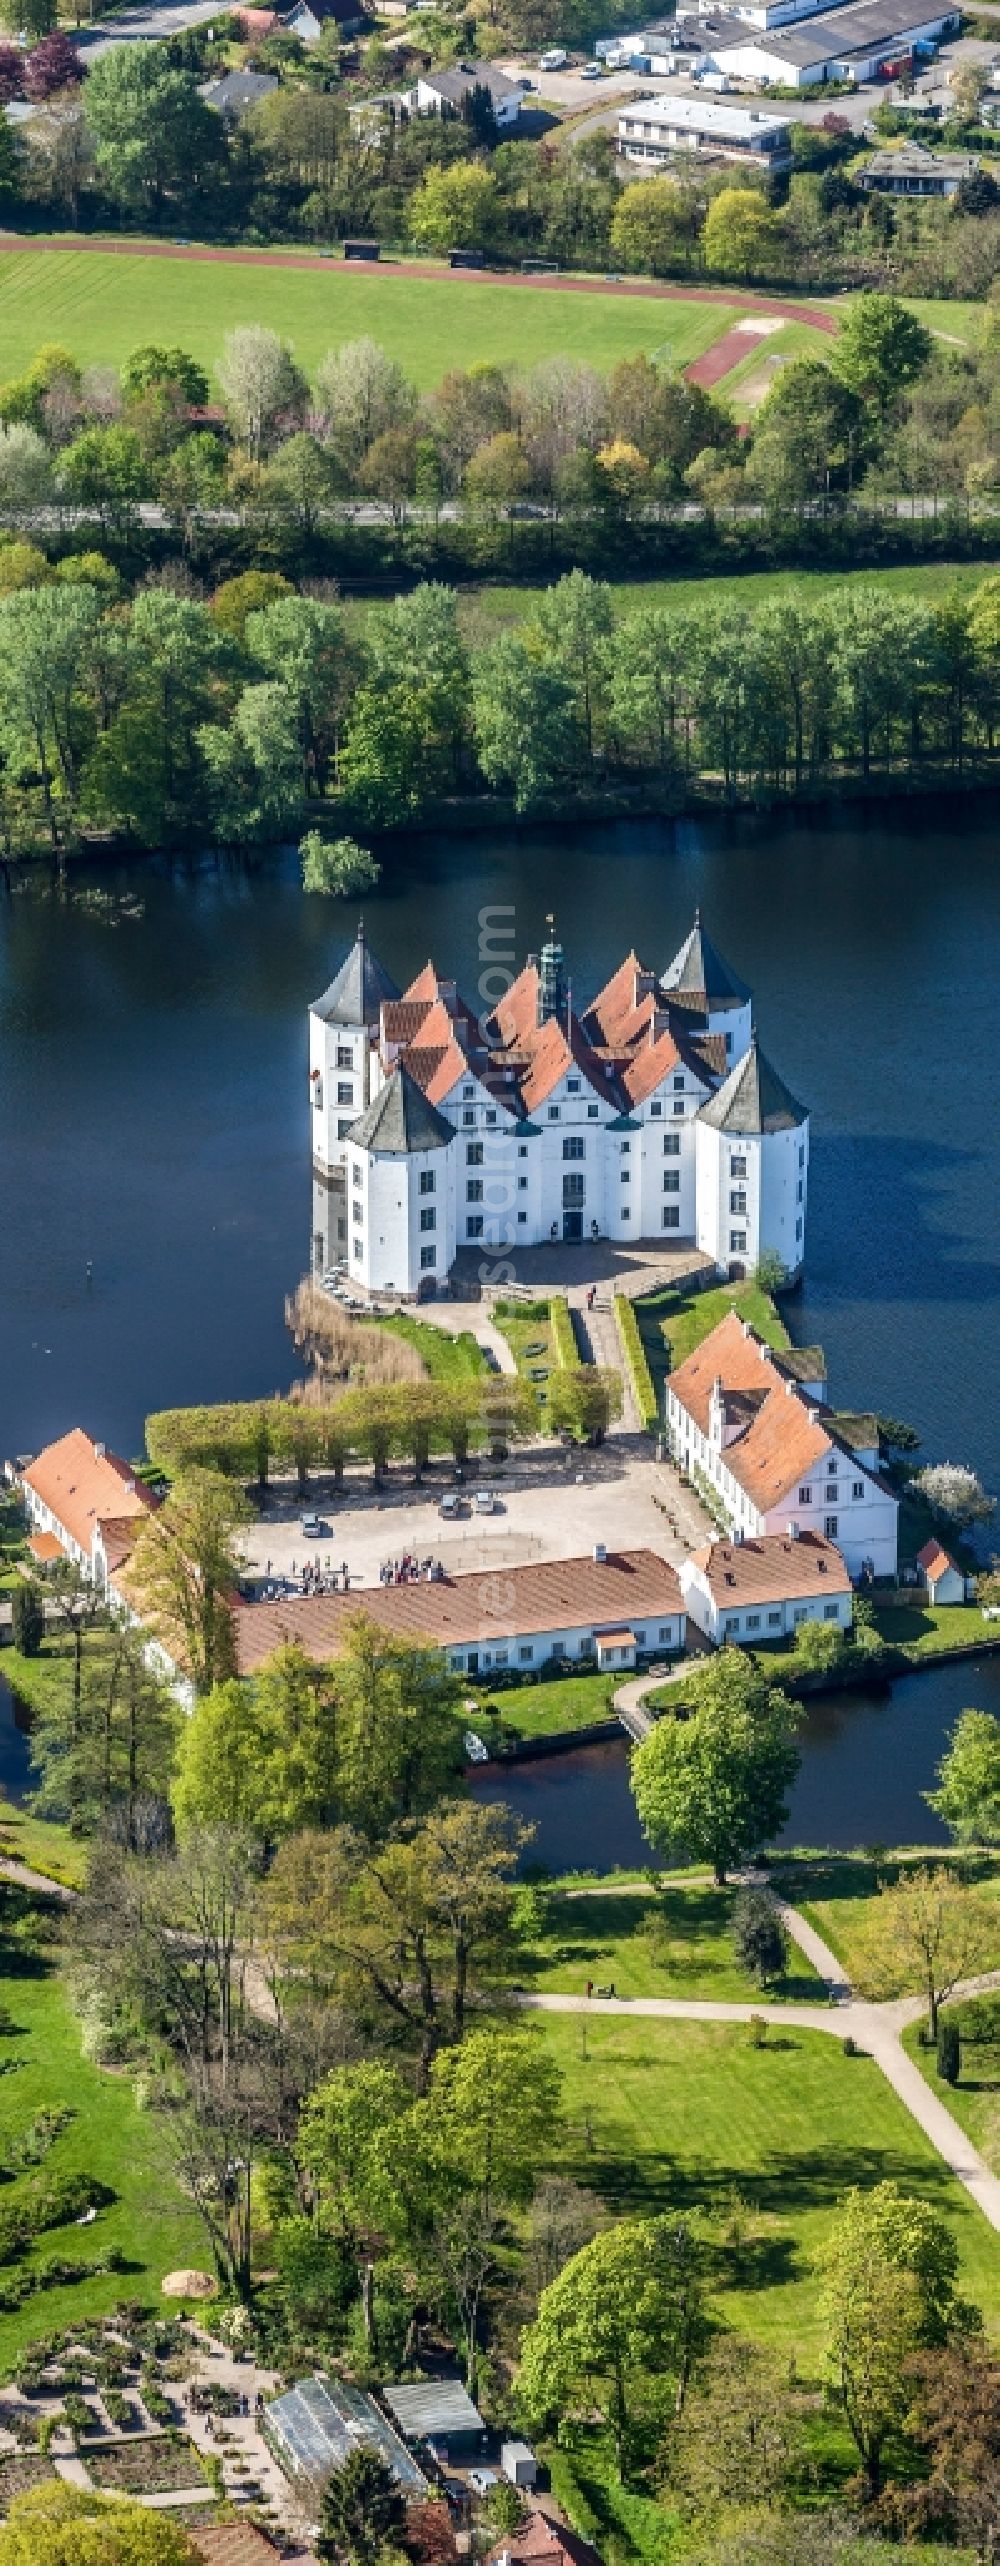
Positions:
{"x": 540, "y": 2542}
{"x": 935, "y": 1561}
{"x": 782, "y": 1440}
{"x": 772, "y": 1568}
{"x": 623, "y": 1005}
{"x": 753, "y": 1099}
{"x": 698, "y": 972}
{"x": 458, "y": 1612}
{"x": 84, "y": 1485}
{"x": 401, "y": 1118}
{"x": 357, "y": 990}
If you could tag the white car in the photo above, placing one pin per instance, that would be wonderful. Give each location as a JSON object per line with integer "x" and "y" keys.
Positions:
{"x": 592, "y": 71}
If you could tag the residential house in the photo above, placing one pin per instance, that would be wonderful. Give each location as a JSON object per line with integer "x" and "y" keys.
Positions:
{"x": 944, "y": 1582}
{"x": 84, "y": 1504}
{"x": 444, "y": 93}
{"x": 308, "y": 19}
{"x": 542, "y": 2542}
{"x": 757, "y": 1592}
{"x": 237, "y": 92}
{"x": 610, "y": 1610}
{"x": 655, "y": 129}
{"x": 771, "y": 1460}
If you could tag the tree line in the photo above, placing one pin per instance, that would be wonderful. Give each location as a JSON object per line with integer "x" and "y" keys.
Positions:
{"x": 143, "y": 720}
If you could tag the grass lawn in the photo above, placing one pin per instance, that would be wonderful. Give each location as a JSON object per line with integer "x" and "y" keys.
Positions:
{"x": 748, "y": 383}
{"x": 485, "y": 611}
{"x": 42, "y": 1844}
{"x": 684, "y": 2115}
{"x": 528, "y": 1329}
{"x": 672, "y": 1941}
{"x": 42, "y": 1681}
{"x": 447, "y": 1358}
{"x": 975, "y": 2100}
{"x": 108, "y": 2137}
{"x": 834, "y": 1891}
{"x": 98, "y": 304}
{"x": 544, "y": 1710}
{"x": 928, "y": 1630}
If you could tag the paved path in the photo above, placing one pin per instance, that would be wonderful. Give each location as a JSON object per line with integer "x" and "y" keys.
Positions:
{"x": 600, "y": 1343}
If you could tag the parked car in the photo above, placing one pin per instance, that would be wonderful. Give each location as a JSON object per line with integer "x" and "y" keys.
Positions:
{"x": 314, "y": 1528}
{"x": 451, "y": 1504}
{"x": 487, "y": 1501}
{"x": 592, "y": 71}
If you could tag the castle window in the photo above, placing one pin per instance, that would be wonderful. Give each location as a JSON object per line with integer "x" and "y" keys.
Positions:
{"x": 358, "y": 1215}
{"x": 731, "y": 1625}
{"x": 626, "y": 1148}
{"x": 474, "y": 1190}
{"x": 729, "y": 1042}
{"x": 805, "y": 1496}
{"x": 737, "y": 1200}
{"x": 490, "y": 1117}
{"x": 474, "y": 1225}
{"x": 858, "y": 1488}
{"x": 679, "y": 1082}
{"x": 428, "y": 1258}
{"x": 573, "y": 1189}
{"x": 469, "y": 1116}
{"x": 656, "y": 1110}
{"x": 737, "y": 1164}
{"x": 678, "y": 1104}
{"x": 522, "y": 1187}
{"x": 522, "y": 1216}
{"x": 625, "y": 1174}
{"x": 753, "y": 1621}
{"x": 798, "y": 1191}
{"x": 671, "y": 1144}
{"x": 625, "y": 1213}
{"x": 671, "y": 1180}
{"x": 830, "y": 1527}
{"x": 802, "y": 1157}
{"x": 774, "y": 1621}
{"x": 572, "y": 1086}
{"x": 573, "y": 1148}
{"x": 345, "y": 1091}
{"x": 474, "y": 1153}
{"x": 737, "y": 1242}
{"x": 553, "y": 1113}
{"x": 345, "y": 1056}
{"x": 427, "y": 1180}
{"x": 429, "y": 1219}
{"x": 671, "y": 1216}
{"x": 343, "y": 1127}
{"x": 522, "y": 1149}
{"x": 831, "y": 1493}
{"x": 468, "y": 1091}
{"x": 831, "y": 1612}
{"x": 525, "y": 1656}
{"x": 798, "y": 1229}
{"x": 357, "y": 1249}
{"x": 592, "y": 1113}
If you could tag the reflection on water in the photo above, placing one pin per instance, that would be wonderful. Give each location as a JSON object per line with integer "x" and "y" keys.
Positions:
{"x": 866, "y": 1759}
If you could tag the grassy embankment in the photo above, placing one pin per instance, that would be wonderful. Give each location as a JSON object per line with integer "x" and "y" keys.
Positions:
{"x": 445, "y": 1357}
{"x": 97, "y": 304}
{"x": 107, "y": 2136}
{"x": 483, "y": 612}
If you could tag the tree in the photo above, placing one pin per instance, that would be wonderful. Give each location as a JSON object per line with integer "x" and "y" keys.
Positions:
{"x": 190, "y": 480}
{"x": 184, "y": 1571}
{"x": 584, "y": 1401}
{"x": 880, "y": 348}
{"x": 364, "y": 396}
{"x": 806, "y": 432}
{"x": 455, "y": 208}
{"x": 152, "y": 368}
{"x": 33, "y": 18}
{"x": 738, "y": 233}
{"x": 337, "y": 866}
{"x": 953, "y": 1490}
{"x": 733, "y": 2442}
{"x": 968, "y": 1777}
{"x": 491, "y": 2107}
{"x": 949, "y": 2051}
{"x": 954, "y": 2418}
{"x": 820, "y": 1646}
{"x": 28, "y": 1619}
{"x": 225, "y": 1757}
{"x": 715, "y": 1781}
{"x": 250, "y": 593}
{"x": 46, "y": 720}
{"x": 254, "y": 767}
{"x": 626, "y": 2310}
{"x": 105, "y": 469}
{"x": 52, "y": 65}
{"x": 363, "y": 2510}
{"x": 525, "y": 720}
{"x": 651, "y": 228}
{"x": 302, "y": 478}
{"x": 61, "y": 151}
{"x": 759, "y": 1937}
{"x": 60, "y": 2525}
{"x": 301, "y": 643}
{"x": 890, "y": 2267}
{"x": 575, "y": 621}
{"x": 11, "y": 74}
{"x": 153, "y": 134}
{"x": 261, "y": 385}
{"x": 928, "y": 1930}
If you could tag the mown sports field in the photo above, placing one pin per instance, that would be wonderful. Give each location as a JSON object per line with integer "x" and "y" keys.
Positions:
{"x": 99, "y": 304}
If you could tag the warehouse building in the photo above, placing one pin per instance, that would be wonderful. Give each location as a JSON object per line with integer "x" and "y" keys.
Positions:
{"x": 847, "y": 43}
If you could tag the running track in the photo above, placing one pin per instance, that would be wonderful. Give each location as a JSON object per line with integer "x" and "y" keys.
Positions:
{"x": 705, "y": 369}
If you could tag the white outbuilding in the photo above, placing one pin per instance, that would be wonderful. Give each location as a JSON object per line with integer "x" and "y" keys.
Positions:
{"x": 757, "y": 1592}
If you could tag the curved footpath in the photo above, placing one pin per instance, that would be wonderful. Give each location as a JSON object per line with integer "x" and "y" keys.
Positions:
{"x": 877, "y": 2029}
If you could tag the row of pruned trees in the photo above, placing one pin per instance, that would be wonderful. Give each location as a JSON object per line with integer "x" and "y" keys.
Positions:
{"x": 405, "y": 1420}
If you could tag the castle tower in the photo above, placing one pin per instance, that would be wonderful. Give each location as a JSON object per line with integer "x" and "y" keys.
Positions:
{"x": 708, "y": 991}
{"x": 343, "y": 1050}
{"x": 752, "y": 1170}
{"x": 551, "y": 978}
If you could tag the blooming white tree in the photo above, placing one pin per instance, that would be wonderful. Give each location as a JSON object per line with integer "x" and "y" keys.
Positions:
{"x": 261, "y": 385}
{"x": 363, "y": 393}
{"x": 953, "y": 1490}
{"x": 25, "y": 469}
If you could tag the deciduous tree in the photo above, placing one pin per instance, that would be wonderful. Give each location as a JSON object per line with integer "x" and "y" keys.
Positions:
{"x": 627, "y": 2310}
{"x": 715, "y": 1781}
{"x": 927, "y": 1931}
{"x": 968, "y": 1778}
{"x": 184, "y": 1571}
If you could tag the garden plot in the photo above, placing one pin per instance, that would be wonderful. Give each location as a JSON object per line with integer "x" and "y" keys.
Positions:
{"x": 157, "y": 2465}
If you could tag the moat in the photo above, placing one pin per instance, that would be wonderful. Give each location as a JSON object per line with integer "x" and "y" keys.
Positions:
{"x": 155, "y": 1129}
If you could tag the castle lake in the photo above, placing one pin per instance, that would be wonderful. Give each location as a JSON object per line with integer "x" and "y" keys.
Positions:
{"x": 155, "y": 1129}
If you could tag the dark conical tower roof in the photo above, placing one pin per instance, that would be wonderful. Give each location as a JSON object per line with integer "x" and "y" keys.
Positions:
{"x": 698, "y": 972}
{"x": 753, "y": 1099}
{"x": 401, "y": 1118}
{"x": 356, "y": 991}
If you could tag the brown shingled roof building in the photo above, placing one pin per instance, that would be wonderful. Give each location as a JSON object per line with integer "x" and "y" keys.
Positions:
{"x": 624, "y": 1606}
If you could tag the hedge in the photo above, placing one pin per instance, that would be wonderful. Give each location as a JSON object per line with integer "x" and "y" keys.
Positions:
{"x": 564, "y": 1344}
{"x": 635, "y": 1362}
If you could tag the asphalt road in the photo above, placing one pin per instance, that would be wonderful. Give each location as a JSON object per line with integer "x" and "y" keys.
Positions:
{"x": 135, "y": 26}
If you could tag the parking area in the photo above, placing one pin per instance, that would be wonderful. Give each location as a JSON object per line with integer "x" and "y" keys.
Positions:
{"x": 551, "y": 1504}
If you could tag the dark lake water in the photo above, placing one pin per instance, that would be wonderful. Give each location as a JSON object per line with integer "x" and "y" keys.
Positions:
{"x": 153, "y": 1111}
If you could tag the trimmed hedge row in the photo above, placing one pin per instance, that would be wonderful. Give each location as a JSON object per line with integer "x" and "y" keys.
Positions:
{"x": 635, "y": 1362}
{"x": 564, "y": 1344}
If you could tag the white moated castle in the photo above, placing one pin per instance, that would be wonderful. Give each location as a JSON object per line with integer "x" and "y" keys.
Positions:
{"x": 652, "y": 1116}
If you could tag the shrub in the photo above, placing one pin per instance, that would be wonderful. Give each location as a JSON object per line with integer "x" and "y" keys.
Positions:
{"x": 635, "y": 1362}
{"x": 757, "y": 2032}
{"x": 28, "y": 1620}
{"x": 564, "y": 1344}
{"x": 949, "y": 2051}
{"x": 758, "y": 1935}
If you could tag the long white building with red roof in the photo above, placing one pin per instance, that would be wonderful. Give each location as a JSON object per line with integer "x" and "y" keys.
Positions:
{"x": 652, "y": 1115}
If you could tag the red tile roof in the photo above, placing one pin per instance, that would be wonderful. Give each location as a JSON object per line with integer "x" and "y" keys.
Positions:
{"x": 82, "y": 1484}
{"x": 541, "y": 2542}
{"x": 459, "y": 1612}
{"x": 934, "y": 1561}
{"x": 772, "y": 1568}
{"x": 782, "y": 1441}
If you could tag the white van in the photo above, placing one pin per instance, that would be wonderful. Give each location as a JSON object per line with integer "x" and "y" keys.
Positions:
{"x": 555, "y": 60}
